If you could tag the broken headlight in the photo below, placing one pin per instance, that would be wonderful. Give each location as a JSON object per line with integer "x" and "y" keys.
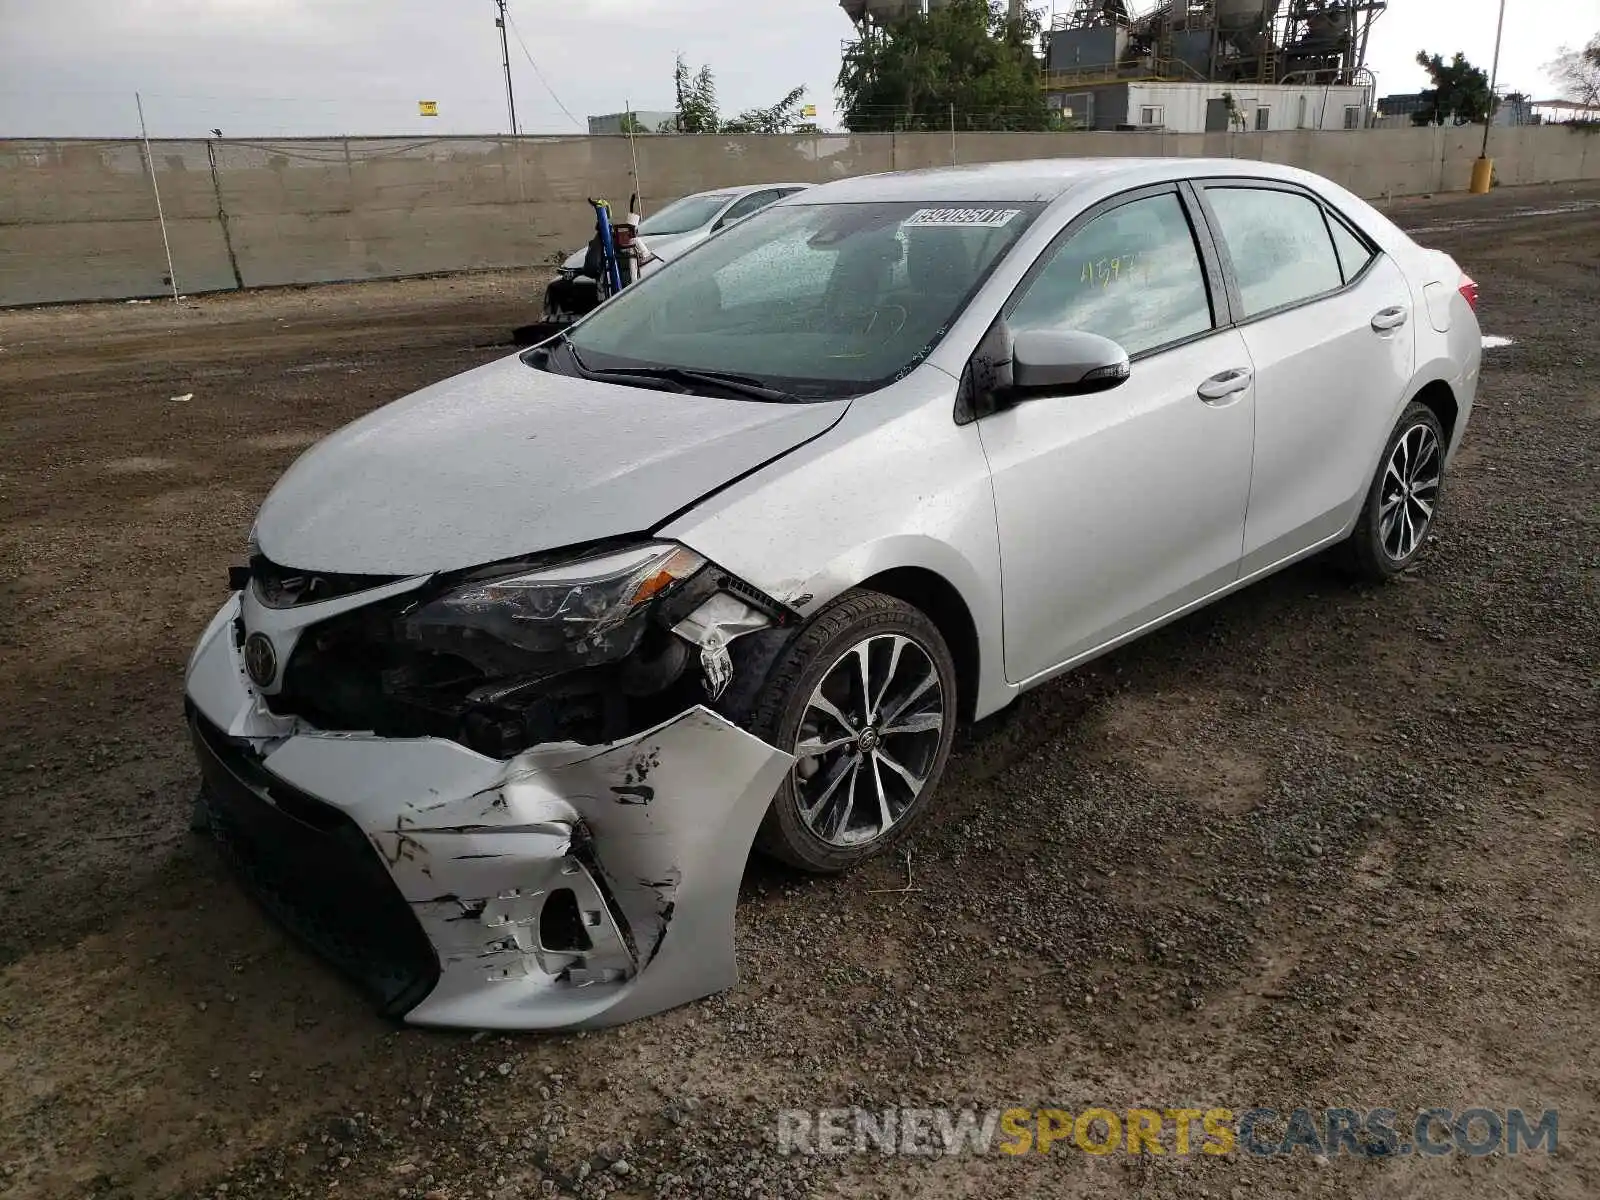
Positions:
{"x": 575, "y": 607}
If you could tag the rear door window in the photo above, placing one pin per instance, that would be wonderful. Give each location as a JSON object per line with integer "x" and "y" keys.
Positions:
{"x": 754, "y": 202}
{"x": 1281, "y": 249}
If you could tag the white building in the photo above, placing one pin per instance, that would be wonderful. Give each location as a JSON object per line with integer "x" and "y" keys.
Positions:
{"x": 1205, "y": 107}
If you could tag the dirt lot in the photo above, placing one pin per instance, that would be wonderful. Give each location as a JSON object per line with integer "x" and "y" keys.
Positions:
{"x": 1315, "y": 846}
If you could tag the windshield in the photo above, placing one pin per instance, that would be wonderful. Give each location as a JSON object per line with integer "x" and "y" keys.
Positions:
{"x": 683, "y": 215}
{"x": 817, "y": 300}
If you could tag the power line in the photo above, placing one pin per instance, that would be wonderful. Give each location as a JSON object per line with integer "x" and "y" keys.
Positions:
{"x": 538, "y": 73}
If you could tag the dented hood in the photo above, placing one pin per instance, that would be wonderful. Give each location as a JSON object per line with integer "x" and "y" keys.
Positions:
{"x": 508, "y": 460}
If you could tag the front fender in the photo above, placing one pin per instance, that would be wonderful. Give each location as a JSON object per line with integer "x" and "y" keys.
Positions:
{"x": 897, "y": 483}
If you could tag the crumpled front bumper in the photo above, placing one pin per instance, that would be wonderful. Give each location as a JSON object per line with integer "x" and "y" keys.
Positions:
{"x": 569, "y": 886}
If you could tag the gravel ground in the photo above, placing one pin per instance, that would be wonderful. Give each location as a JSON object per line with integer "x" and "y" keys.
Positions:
{"x": 1317, "y": 845}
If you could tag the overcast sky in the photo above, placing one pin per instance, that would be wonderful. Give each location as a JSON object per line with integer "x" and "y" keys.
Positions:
{"x": 279, "y": 67}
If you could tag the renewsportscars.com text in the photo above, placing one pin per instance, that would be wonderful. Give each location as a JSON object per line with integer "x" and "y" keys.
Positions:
{"x": 1259, "y": 1132}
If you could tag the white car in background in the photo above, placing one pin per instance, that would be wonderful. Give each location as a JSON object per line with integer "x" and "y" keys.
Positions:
{"x": 522, "y": 665}
{"x": 666, "y": 234}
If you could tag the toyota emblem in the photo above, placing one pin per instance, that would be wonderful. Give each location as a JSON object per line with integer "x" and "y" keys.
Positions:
{"x": 260, "y": 659}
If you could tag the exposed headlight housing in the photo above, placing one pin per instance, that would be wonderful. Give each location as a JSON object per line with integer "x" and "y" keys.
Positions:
{"x": 571, "y": 607}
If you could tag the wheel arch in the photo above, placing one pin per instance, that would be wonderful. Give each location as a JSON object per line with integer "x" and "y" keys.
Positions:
{"x": 1439, "y": 397}
{"x": 1433, "y": 388}
{"x": 942, "y": 603}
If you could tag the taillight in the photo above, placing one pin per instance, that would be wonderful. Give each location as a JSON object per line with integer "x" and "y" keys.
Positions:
{"x": 1469, "y": 292}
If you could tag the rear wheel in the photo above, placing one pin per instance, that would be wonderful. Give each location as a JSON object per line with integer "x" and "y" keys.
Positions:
{"x": 1398, "y": 514}
{"x": 865, "y": 698}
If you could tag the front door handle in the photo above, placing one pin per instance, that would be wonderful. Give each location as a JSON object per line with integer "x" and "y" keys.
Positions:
{"x": 1390, "y": 318}
{"x": 1228, "y": 383}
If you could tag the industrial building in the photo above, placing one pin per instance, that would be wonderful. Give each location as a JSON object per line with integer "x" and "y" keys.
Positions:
{"x": 1215, "y": 107}
{"x": 1195, "y": 66}
{"x": 1268, "y": 42}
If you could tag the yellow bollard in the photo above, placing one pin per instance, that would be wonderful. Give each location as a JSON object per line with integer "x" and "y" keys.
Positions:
{"x": 1482, "y": 176}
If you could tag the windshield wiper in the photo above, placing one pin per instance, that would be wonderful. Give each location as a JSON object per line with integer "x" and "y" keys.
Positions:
{"x": 688, "y": 380}
{"x": 678, "y": 379}
{"x": 584, "y": 371}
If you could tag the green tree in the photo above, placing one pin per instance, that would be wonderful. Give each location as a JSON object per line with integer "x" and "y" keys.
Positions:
{"x": 630, "y": 123}
{"x": 1460, "y": 93}
{"x": 697, "y": 107}
{"x": 782, "y": 117}
{"x": 1237, "y": 121}
{"x": 967, "y": 56}
{"x": 1578, "y": 72}
{"x": 697, "y": 100}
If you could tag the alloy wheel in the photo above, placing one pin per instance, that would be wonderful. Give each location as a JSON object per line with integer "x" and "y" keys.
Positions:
{"x": 1410, "y": 492}
{"x": 868, "y": 737}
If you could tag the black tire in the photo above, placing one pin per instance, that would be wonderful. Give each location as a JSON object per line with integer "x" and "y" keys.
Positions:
{"x": 1368, "y": 553}
{"x": 782, "y": 706}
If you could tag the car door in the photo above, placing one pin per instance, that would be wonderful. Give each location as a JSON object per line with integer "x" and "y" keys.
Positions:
{"x": 1117, "y": 508}
{"x": 1328, "y": 323}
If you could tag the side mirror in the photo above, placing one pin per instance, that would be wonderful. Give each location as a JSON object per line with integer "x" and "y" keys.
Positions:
{"x": 1066, "y": 362}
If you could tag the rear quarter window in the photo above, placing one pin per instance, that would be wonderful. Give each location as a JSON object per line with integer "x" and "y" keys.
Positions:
{"x": 1354, "y": 252}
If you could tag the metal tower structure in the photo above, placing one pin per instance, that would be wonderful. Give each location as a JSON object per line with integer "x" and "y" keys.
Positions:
{"x": 1263, "y": 41}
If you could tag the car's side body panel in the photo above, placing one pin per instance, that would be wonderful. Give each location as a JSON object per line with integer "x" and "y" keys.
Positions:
{"x": 1453, "y": 355}
{"x": 1108, "y": 515}
{"x": 1327, "y": 386}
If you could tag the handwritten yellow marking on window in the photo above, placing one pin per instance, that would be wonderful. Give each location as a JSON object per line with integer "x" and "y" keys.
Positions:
{"x": 1106, "y": 271}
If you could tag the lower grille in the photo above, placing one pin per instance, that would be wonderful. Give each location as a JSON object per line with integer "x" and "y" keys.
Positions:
{"x": 311, "y": 868}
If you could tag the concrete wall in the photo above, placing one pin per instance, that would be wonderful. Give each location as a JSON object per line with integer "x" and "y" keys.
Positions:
{"x": 78, "y": 220}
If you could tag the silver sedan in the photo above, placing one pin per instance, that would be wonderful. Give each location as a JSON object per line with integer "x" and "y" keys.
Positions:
{"x": 521, "y": 665}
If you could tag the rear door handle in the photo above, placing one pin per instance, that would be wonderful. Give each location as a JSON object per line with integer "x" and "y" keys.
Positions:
{"x": 1228, "y": 383}
{"x": 1390, "y": 318}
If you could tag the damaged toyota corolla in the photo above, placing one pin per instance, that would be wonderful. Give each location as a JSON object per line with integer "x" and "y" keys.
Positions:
{"x": 520, "y": 667}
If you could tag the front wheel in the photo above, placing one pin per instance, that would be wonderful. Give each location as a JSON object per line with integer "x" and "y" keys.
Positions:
{"x": 865, "y": 698}
{"x": 1403, "y": 499}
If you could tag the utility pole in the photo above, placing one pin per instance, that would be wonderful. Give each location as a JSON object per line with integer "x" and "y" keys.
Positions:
{"x": 505, "y": 60}
{"x": 1483, "y": 169}
{"x": 1494, "y": 76}
{"x": 161, "y": 216}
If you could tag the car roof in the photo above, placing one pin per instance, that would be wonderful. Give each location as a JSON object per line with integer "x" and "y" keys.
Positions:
{"x": 1044, "y": 179}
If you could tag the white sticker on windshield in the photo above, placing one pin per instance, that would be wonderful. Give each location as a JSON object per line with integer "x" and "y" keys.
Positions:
{"x": 976, "y": 218}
